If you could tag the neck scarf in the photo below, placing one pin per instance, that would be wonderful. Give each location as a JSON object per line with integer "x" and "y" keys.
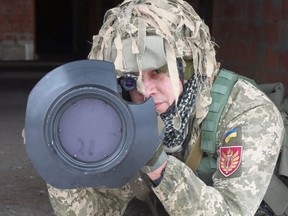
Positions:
{"x": 173, "y": 138}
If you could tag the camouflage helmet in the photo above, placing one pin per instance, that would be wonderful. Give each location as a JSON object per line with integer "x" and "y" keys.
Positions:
{"x": 137, "y": 32}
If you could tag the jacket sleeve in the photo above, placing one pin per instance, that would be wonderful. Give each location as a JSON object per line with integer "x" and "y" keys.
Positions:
{"x": 261, "y": 126}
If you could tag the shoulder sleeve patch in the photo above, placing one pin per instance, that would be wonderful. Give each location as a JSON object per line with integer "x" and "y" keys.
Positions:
{"x": 233, "y": 137}
{"x": 230, "y": 134}
{"x": 230, "y": 159}
{"x": 230, "y": 154}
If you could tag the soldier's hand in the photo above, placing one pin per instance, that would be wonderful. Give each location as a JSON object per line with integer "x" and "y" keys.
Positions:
{"x": 154, "y": 167}
{"x": 158, "y": 159}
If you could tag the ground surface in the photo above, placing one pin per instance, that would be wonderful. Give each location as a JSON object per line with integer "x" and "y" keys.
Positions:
{"x": 22, "y": 191}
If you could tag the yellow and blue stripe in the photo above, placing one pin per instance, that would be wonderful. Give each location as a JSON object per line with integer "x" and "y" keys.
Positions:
{"x": 230, "y": 134}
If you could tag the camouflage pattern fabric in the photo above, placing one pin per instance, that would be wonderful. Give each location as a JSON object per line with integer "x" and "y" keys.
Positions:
{"x": 89, "y": 201}
{"x": 181, "y": 191}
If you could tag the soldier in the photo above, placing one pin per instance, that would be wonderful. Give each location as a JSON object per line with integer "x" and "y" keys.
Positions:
{"x": 166, "y": 47}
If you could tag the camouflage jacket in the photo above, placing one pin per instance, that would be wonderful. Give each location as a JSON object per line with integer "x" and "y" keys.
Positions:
{"x": 238, "y": 184}
{"x": 260, "y": 134}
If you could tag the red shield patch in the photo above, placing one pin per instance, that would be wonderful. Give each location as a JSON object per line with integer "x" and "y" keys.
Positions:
{"x": 230, "y": 159}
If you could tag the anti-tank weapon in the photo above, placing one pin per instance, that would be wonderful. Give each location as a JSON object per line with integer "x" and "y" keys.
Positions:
{"x": 79, "y": 131}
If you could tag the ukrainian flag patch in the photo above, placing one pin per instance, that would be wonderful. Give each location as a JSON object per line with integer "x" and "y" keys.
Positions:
{"x": 230, "y": 134}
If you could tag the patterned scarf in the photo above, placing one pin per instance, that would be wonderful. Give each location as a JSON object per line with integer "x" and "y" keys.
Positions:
{"x": 174, "y": 139}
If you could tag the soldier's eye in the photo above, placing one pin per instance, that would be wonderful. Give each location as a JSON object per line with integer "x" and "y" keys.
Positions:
{"x": 157, "y": 71}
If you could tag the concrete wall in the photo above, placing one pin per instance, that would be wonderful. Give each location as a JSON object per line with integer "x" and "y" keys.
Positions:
{"x": 16, "y": 28}
{"x": 253, "y": 37}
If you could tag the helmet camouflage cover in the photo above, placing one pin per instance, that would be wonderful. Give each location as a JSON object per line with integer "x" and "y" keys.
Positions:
{"x": 129, "y": 28}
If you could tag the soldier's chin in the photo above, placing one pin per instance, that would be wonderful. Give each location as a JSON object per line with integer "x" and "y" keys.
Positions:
{"x": 160, "y": 108}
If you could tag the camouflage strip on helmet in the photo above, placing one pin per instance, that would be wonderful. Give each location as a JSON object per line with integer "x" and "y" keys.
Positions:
{"x": 185, "y": 36}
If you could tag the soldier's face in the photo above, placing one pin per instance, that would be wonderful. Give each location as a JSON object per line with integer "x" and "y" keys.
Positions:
{"x": 157, "y": 85}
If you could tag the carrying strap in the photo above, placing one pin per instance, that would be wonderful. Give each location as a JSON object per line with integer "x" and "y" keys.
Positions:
{"x": 220, "y": 92}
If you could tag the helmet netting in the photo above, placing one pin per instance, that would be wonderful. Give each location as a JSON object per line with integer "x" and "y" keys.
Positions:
{"x": 185, "y": 36}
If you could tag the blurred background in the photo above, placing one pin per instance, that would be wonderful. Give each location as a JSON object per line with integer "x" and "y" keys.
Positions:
{"x": 38, "y": 35}
{"x": 252, "y": 35}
